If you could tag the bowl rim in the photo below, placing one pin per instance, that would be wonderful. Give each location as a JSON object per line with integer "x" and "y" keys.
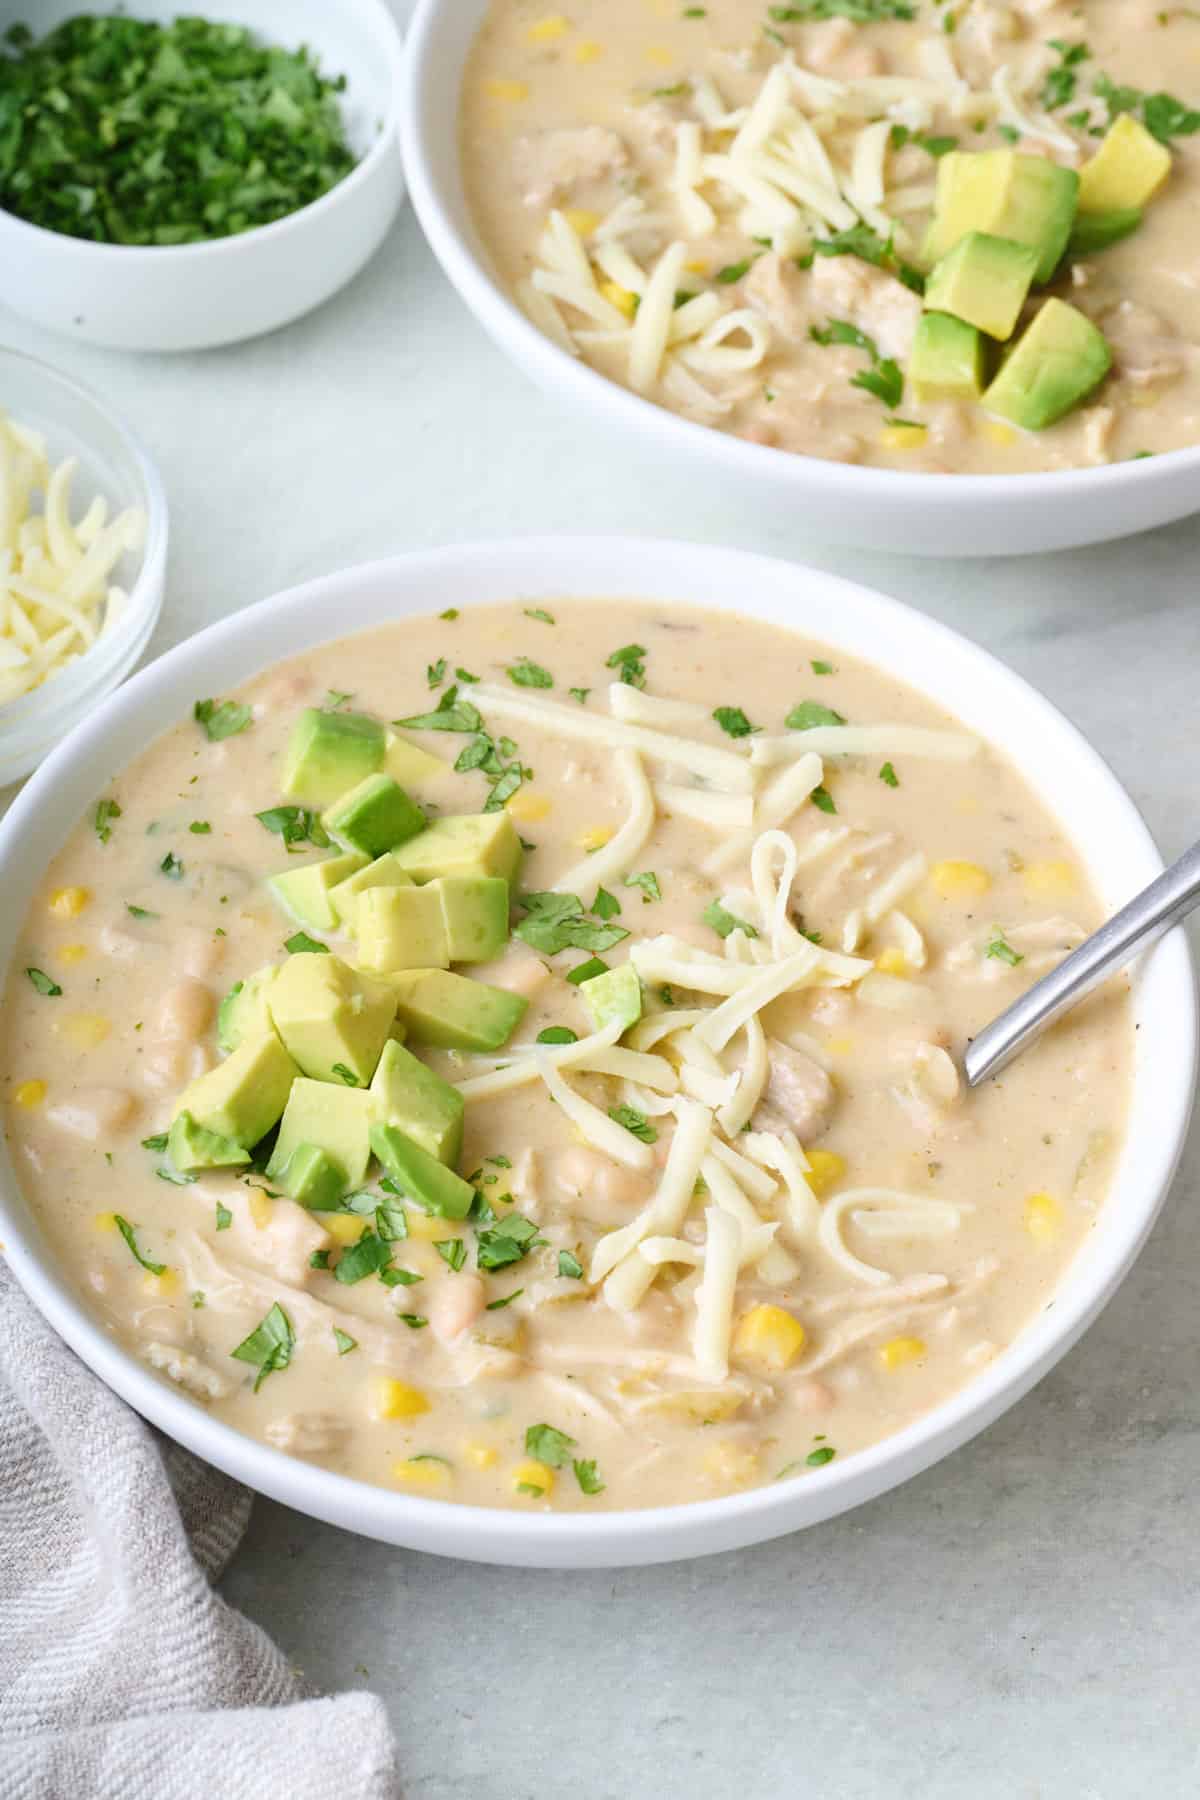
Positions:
{"x": 319, "y": 611}
{"x": 391, "y": 42}
{"x": 504, "y": 319}
{"x": 31, "y": 715}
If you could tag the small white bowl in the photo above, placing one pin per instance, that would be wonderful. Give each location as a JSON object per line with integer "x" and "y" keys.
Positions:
{"x": 1072, "y": 780}
{"x": 195, "y": 296}
{"x": 878, "y": 509}
{"x": 75, "y": 422}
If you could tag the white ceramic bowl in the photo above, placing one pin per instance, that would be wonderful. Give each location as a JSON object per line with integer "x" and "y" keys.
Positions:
{"x": 194, "y": 296}
{"x": 1073, "y": 781}
{"x": 76, "y": 422}
{"x": 885, "y": 509}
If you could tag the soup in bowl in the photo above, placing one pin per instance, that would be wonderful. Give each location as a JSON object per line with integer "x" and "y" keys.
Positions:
{"x": 509, "y": 1056}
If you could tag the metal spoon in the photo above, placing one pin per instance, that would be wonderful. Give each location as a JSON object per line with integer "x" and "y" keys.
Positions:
{"x": 1152, "y": 912}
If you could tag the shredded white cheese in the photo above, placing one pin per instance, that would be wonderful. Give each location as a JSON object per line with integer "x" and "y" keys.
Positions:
{"x": 714, "y": 1296}
{"x": 618, "y": 855}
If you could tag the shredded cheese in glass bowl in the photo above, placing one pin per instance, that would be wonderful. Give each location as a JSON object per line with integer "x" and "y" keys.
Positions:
{"x": 83, "y": 535}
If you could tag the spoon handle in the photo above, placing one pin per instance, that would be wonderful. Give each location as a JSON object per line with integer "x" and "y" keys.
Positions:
{"x": 1167, "y": 900}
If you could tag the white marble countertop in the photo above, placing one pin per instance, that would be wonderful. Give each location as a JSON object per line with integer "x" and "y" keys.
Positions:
{"x": 1019, "y": 1622}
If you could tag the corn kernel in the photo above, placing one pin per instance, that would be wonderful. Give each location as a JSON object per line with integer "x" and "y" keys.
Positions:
{"x": 697, "y": 266}
{"x": 903, "y": 437}
{"x": 343, "y": 1228}
{"x": 393, "y": 1399}
{"x": 72, "y": 953}
{"x": 425, "y": 1226}
{"x": 581, "y": 220}
{"x": 498, "y": 88}
{"x": 426, "y": 1472}
{"x": 892, "y": 961}
{"x": 537, "y": 1476}
{"x": 544, "y": 31}
{"x": 622, "y": 298}
{"x": 1047, "y": 880}
{"x": 1043, "y": 1215}
{"x": 731, "y": 1462}
{"x": 588, "y": 51}
{"x": 595, "y": 837}
{"x": 900, "y": 1350}
{"x": 824, "y": 1168}
{"x": 261, "y": 1207}
{"x": 770, "y": 1336}
{"x": 83, "y": 1031}
{"x": 999, "y": 434}
{"x": 29, "y": 1094}
{"x": 528, "y": 808}
{"x": 69, "y": 902}
{"x": 161, "y": 1287}
{"x": 840, "y": 1046}
{"x": 480, "y": 1456}
{"x": 659, "y": 55}
{"x": 958, "y": 880}
{"x": 105, "y": 1221}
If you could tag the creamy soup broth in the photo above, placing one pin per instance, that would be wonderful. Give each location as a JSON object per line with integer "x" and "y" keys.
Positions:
{"x": 579, "y": 114}
{"x": 149, "y": 915}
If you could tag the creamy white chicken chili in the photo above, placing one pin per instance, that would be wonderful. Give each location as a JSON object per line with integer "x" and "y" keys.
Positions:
{"x": 916, "y": 234}
{"x": 511, "y": 1056}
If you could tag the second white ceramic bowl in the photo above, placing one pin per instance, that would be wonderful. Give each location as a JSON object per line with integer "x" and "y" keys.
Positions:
{"x": 195, "y": 296}
{"x": 1072, "y": 780}
{"x": 880, "y": 509}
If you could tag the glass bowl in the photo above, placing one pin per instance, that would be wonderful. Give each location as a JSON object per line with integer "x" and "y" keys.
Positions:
{"x": 75, "y": 422}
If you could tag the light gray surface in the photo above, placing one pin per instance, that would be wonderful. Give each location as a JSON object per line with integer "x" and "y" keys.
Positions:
{"x": 1022, "y": 1621}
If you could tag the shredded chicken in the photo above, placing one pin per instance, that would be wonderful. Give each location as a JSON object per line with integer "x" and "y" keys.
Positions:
{"x": 187, "y": 1371}
{"x": 552, "y": 164}
{"x": 308, "y": 1433}
{"x": 845, "y": 287}
{"x": 798, "y": 1096}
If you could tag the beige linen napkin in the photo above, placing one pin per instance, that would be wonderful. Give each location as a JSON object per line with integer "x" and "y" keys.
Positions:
{"x": 123, "y": 1676}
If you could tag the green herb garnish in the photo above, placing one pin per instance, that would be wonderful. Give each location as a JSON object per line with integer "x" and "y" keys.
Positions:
{"x": 1001, "y": 950}
{"x": 301, "y": 944}
{"x": 883, "y": 379}
{"x": 451, "y": 714}
{"x": 821, "y": 668}
{"x": 586, "y": 1476}
{"x": 579, "y": 694}
{"x": 634, "y": 1121}
{"x": 221, "y": 718}
{"x": 44, "y": 983}
{"x": 269, "y": 1346}
{"x": 199, "y": 827}
{"x": 509, "y": 1241}
{"x": 569, "y": 1266}
{"x": 435, "y": 672}
{"x": 453, "y": 1252}
{"x": 733, "y": 721}
{"x": 414, "y": 1321}
{"x": 605, "y": 906}
{"x": 345, "y": 1343}
{"x": 504, "y": 1300}
{"x": 106, "y": 812}
{"x": 811, "y": 713}
{"x": 629, "y": 665}
{"x": 724, "y": 922}
{"x": 889, "y": 776}
{"x": 295, "y": 825}
{"x": 585, "y": 971}
{"x": 648, "y": 882}
{"x": 367, "y": 1257}
{"x": 822, "y": 799}
{"x": 171, "y": 867}
{"x": 224, "y": 1217}
{"x": 526, "y": 673}
{"x": 128, "y": 1232}
{"x": 816, "y": 1459}
{"x": 342, "y": 1072}
{"x": 555, "y": 922}
{"x": 539, "y": 612}
{"x": 558, "y": 1034}
{"x": 548, "y": 1445}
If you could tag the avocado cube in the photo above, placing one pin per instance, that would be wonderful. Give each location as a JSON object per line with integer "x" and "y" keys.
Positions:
{"x": 246, "y": 1094}
{"x": 464, "y": 844}
{"x": 331, "y": 1017}
{"x": 190, "y": 1146}
{"x": 415, "y": 1099}
{"x": 947, "y": 360}
{"x": 1027, "y": 198}
{"x": 617, "y": 994}
{"x": 409, "y": 764}
{"x": 244, "y": 1013}
{"x": 1127, "y": 170}
{"x": 335, "y": 1120}
{"x": 475, "y": 912}
{"x": 1096, "y": 231}
{"x": 305, "y": 893}
{"x": 374, "y": 816}
{"x": 421, "y": 1176}
{"x": 329, "y": 752}
{"x": 1055, "y": 363}
{"x": 452, "y": 1012}
{"x": 984, "y": 280}
{"x": 312, "y": 1179}
{"x": 400, "y": 928}
{"x": 385, "y": 871}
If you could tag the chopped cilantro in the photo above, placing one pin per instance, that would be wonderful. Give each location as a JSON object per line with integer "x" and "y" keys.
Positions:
{"x": 810, "y": 713}
{"x": 334, "y": 698}
{"x": 171, "y": 867}
{"x": 1009, "y": 133}
{"x": 733, "y": 721}
{"x": 526, "y": 673}
{"x": 555, "y": 922}
{"x": 44, "y": 983}
{"x": 392, "y": 1278}
{"x": 584, "y": 971}
{"x": 221, "y": 718}
{"x": 1001, "y": 950}
{"x": 634, "y": 1121}
{"x": 821, "y": 668}
{"x": 648, "y": 882}
{"x": 224, "y": 1217}
{"x": 889, "y": 776}
{"x": 300, "y": 943}
{"x": 605, "y": 906}
{"x": 106, "y": 812}
{"x": 629, "y": 664}
{"x": 548, "y": 1445}
{"x": 200, "y": 827}
{"x": 569, "y": 1267}
{"x": 451, "y": 612}
{"x": 166, "y": 1173}
{"x": 586, "y": 1476}
{"x": 539, "y": 612}
{"x": 822, "y": 799}
{"x": 504, "y": 1300}
{"x": 451, "y": 714}
{"x": 295, "y": 825}
{"x": 453, "y": 1252}
{"x": 817, "y": 1458}
{"x": 345, "y": 1343}
{"x": 319, "y": 1259}
{"x": 342, "y": 1072}
{"x": 507, "y": 1242}
{"x": 579, "y": 694}
{"x": 157, "y": 1143}
{"x": 269, "y": 1346}
{"x": 435, "y": 672}
{"x": 732, "y": 272}
{"x": 723, "y": 922}
{"x": 414, "y": 1321}
{"x": 128, "y": 1232}
{"x": 368, "y": 1256}
{"x": 558, "y": 1034}
{"x": 883, "y": 379}
{"x": 859, "y": 12}
{"x": 465, "y": 675}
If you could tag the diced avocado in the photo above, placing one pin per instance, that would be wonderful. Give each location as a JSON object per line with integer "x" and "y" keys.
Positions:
{"x": 336, "y": 1120}
{"x": 464, "y": 844}
{"x": 421, "y": 1176}
{"x": 984, "y": 280}
{"x": 454, "y": 1013}
{"x": 385, "y": 871}
{"x": 400, "y": 928}
{"x": 1055, "y": 363}
{"x": 375, "y": 816}
{"x": 1127, "y": 170}
{"x": 409, "y": 764}
{"x": 947, "y": 360}
{"x": 246, "y": 1094}
{"x": 312, "y": 1178}
{"x": 1098, "y": 230}
{"x": 331, "y": 1017}
{"x": 305, "y": 893}
{"x": 475, "y": 912}
{"x": 1027, "y": 198}
{"x": 407, "y": 1094}
{"x": 329, "y": 752}
{"x": 244, "y": 1013}
{"x": 190, "y": 1146}
{"x": 617, "y": 994}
